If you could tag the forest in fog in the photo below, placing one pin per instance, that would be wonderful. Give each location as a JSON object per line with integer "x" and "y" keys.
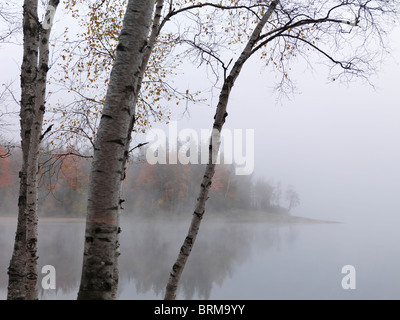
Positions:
{"x": 148, "y": 189}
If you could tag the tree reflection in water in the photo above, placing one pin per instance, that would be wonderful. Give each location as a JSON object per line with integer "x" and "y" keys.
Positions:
{"x": 148, "y": 249}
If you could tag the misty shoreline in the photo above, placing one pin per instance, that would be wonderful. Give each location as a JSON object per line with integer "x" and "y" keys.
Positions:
{"x": 260, "y": 216}
{"x": 233, "y": 216}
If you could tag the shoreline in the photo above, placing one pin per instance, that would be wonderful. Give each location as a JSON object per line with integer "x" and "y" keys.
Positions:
{"x": 248, "y": 217}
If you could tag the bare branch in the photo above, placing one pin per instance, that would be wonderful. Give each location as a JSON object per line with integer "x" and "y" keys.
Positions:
{"x": 345, "y": 65}
{"x": 138, "y": 146}
{"x": 10, "y": 22}
{"x": 5, "y": 151}
{"x": 172, "y": 12}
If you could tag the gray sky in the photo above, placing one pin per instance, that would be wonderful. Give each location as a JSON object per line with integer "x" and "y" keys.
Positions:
{"x": 338, "y": 144}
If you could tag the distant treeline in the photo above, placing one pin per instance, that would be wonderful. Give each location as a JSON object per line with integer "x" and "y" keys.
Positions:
{"x": 148, "y": 189}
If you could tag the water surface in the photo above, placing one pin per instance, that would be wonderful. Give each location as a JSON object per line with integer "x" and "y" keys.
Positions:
{"x": 230, "y": 260}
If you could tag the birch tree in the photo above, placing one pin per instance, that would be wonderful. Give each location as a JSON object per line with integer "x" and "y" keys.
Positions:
{"x": 102, "y": 223}
{"x": 348, "y": 35}
{"x": 111, "y": 144}
{"x": 23, "y": 265}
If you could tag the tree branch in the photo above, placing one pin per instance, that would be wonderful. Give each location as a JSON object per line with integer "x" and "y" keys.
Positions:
{"x": 138, "y": 146}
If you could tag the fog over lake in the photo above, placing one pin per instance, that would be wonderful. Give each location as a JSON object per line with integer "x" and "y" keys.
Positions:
{"x": 230, "y": 260}
{"x": 337, "y": 143}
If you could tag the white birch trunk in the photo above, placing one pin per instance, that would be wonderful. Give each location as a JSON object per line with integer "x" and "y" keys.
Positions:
{"x": 102, "y": 223}
{"x": 214, "y": 145}
{"x": 33, "y": 156}
{"x": 23, "y": 265}
{"x": 155, "y": 30}
{"x": 17, "y": 269}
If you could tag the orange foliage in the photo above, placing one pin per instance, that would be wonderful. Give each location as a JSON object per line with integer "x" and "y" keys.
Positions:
{"x": 5, "y": 177}
{"x": 72, "y": 173}
{"x": 173, "y": 187}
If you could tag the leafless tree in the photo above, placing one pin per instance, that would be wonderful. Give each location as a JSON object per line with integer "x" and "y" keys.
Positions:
{"x": 292, "y": 197}
{"x": 348, "y": 35}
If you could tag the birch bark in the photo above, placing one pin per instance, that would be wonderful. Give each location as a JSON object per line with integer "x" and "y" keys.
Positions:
{"x": 99, "y": 272}
{"x": 23, "y": 265}
{"x": 214, "y": 145}
{"x": 155, "y": 30}
{"x": 33, "y": 156}
{"x": 17, "y": 268}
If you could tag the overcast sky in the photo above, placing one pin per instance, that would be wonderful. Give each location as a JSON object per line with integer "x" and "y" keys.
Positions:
{"x": 337, "y": 144}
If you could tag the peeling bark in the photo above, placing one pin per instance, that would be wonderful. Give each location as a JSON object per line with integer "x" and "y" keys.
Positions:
{"x": 23, "y": 265}
{"x": 99, "y": 278}
{"x": 17, "y": 269}
{"x": 155, "y": 30}
{"x": 214, "y": 145}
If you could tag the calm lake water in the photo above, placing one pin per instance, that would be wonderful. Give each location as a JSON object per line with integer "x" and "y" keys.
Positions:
{"x": 230, "y": 260}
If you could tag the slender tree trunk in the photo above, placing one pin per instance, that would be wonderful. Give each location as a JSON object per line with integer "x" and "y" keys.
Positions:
{"x": 155, "y": 30}
{"x": 102, "y": 223}
{"x": 17, "y": 268}
{"x": 214, "y": 145}
{"x": 23, "y": 265}
{"x": 33, "y": 165}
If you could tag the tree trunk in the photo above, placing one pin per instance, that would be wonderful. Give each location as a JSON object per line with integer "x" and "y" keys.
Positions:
{"x": 33, "y": 165}
{"x": 102, "y": 222}
{"x": 17, "y": 269}
{"x": 214, "y": 145}
{"x": 155, "y": 30}
{"x": 23, "y": 265}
